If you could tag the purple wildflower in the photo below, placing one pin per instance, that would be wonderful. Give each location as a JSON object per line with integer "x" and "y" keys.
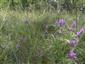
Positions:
{"x": 79, "y": 33}
{"x": 82, "y": 30}
{"x": 74, "y": 24}
{"x": 73, "y": 43}
{"x": 72, "y": 55}
{"x": 61, "y": 22}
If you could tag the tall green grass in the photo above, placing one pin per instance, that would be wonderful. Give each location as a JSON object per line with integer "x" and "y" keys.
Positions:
{"x": 23, "y": 39}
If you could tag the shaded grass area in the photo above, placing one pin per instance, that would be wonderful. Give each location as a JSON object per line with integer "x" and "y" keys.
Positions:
{"x": 23, "y": 39}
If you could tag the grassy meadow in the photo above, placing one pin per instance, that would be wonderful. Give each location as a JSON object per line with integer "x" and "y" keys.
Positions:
{"x": 33, "y": 37}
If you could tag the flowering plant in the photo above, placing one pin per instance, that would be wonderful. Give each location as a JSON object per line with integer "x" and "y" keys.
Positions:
{"x": 71, "y": 36}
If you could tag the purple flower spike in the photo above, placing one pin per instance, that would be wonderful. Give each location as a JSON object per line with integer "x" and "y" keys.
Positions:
{"x": 61, "y": 22}
{"x": 73, "y": 43}
{"x": 72, "y": 55}
{"x": 74, "y": 24}
{"x": 82, "y": 30}
{"x": 78, "y": 34}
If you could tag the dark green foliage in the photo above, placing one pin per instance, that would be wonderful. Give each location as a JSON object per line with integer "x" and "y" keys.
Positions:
{"x": 24, "y": 4}
{"x": 69, "y": 5}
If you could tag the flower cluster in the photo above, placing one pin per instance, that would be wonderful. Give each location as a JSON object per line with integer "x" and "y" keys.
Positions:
{"x": 61, "y": 22}
{"x": 73, "y": 42}
{"x": 80, "y": 32}
{"x": 72, "y": 54}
